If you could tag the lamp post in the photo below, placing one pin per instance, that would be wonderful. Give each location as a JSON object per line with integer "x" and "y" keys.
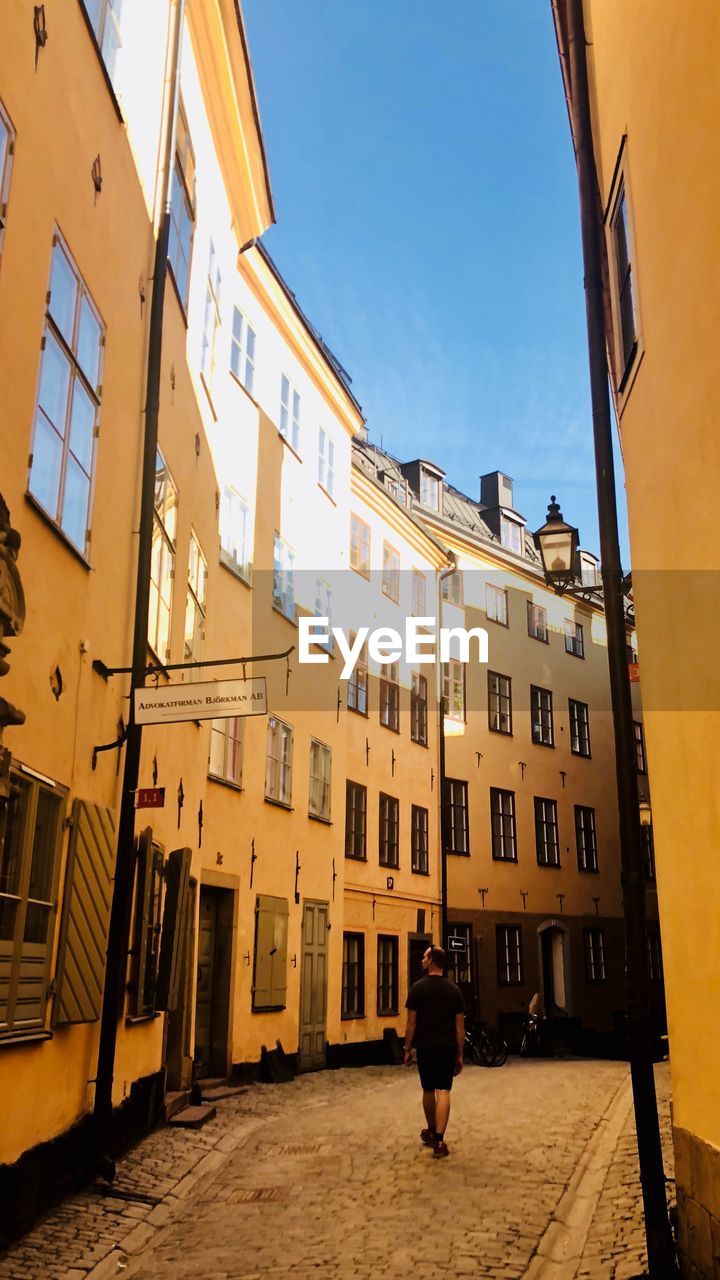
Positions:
{"x": 557, "y": 543}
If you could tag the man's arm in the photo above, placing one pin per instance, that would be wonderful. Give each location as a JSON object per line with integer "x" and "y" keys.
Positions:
{"x": 459, "y": 1041}
{"x": 409, "y": 1035}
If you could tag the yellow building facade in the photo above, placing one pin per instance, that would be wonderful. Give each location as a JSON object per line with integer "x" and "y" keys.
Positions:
{"x": 653, "y": 103}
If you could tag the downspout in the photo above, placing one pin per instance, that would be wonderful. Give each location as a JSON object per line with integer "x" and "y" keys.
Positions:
{"x": 661, "y": 1254}
{"x": 446, "y": 573}
{"x": 113, "y": 993}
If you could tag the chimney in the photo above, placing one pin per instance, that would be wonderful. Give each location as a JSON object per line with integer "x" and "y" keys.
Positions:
{"x": 496, "y": 490}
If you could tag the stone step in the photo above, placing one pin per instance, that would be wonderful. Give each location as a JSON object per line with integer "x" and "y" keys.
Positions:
{"x": 193, "y": 1117}
{"x": 175, "y": 1100}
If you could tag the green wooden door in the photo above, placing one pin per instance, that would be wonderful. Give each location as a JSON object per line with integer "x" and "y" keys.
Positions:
{"x": 313, "y": 986}
{"x": 205, "y": 981}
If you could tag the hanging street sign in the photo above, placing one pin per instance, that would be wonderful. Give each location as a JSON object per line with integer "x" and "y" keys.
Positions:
{"x": 456, "y": 942}
{"x": 150, "y": 798}
{"x": 209, "y": 700}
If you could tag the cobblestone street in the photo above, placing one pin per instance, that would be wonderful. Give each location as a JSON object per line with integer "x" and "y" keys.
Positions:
{"x": 325, "y": 1178}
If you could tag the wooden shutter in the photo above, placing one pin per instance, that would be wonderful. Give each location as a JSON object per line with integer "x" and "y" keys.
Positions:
{"x": 86, "y": 913}
{"x": 270, "y": 974}
{"x": 177, "y": 880}
{"x": 143, "y": 884}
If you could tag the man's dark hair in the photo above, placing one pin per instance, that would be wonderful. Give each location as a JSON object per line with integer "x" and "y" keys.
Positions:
{"x": 438, "y": 957}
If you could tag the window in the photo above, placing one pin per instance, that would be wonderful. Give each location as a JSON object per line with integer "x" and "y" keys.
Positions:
{"x": 360, "y": 546}
{"x": 622, "y": 285}
{"x": 452, "y": 588}
{"x": 289, "y": 412}
{"x": 429, "y": 489}
{"x": 105, "y": 18}
{"x": 499, "y": 703}
{"x": 419, "y": 594}
{"x": 235, "y": 532}
{"x": 511, "y": 535}
{"x": 579, "y": 728}
{"x": 357, "y": 689}
{"x": 355, "y": 821}
{"x": 541, "y": 716}
{"x": 595, "y": 955}
{"x": 242, "y": 351}
{"x": 453, "y": 686}
{"x": 390, "y": 696}
{"x": 29, "y": 863}
{"x": 320, "y": 769}
{"x": 459, "y": 967}
{"x": 418, "y": 709}
{"x": 502, "y": 825}
{"x": 269, "y": 989}
{"x": 391, "y": 572}
{"x": 655, "y": 964}
{"x": 278, "y": 761}
{"x": 7, "y": 149}
{"x": 648, "y": 852}
{"x": 62, "y": 462}
{"x": 537, "y": 622}
{"x": 162, "y": 560}
{"x": 323, "y": 609}
{"x": 496, "y": 604}
{"x": 211, "y": 318}
{"x": 226, "y": 749}
{"x": 195, "y": 607}
{"x": 574, "y": 642}
{"x": 284, "y": 578}
{"x": 387, "y": 975}
{"x": 326, "y": 462}
{"x": 389, "y": 831}
{"x": 146, "y": 928}
{"x": 586, "y": 838}
{"x": 455, "y": 824}
{"x": 182, "y": 209}
{"x": 547, "y": 844}
{"x": 639, "y": 746}
{"x": 419, "y": 841}
{"x": 508, "y": 943}
{"x": 353, "y": 976}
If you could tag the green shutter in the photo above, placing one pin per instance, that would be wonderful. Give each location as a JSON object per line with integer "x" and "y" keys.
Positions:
{"x": 86, "y": 913}
{"x": 143, "y": 883}
{"x": 177, "y": 880}
{"x": 269, "y": 979}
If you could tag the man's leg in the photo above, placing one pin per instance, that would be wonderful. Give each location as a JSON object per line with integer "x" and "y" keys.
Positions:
{"x": 429, "y": 1108}
{"x": 441, "y": 1110}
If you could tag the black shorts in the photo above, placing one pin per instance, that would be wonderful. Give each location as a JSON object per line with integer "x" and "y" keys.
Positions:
{"x": 436, "y": 1067}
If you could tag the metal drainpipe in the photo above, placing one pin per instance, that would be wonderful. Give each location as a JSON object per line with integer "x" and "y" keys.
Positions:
{"x": 114, "y": 988}
{"x": 446, "y": 573}
{"x": 661, "y": 1253}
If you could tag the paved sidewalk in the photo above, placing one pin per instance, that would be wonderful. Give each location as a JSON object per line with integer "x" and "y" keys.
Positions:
{"x": 324, "y": 1179}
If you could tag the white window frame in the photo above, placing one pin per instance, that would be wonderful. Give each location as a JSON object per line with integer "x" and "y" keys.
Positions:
{"x": 508, "y": 946}
{"x": 212, "y": 319}
{"x": 542, "y": 720}
{"x": 235, "y": 533}
{"x": 226, "y": 750}
{"x": 452, "y": 588}
{"x": 284, "y": 578}
{"x": 7, "y": 153}
{"x": 419, "y": 840}
{"x": 586, "y": 838}
{"x": 547, "y": 832}
{"x": 429, "y": 489}
{"x": 242, "y": 350}
{"x": 537, "y": 622}
{"x": 195, "y": 607}
{"x": 290, "y": 404}
{"x": 326, "y": 461}
{"x": 496, "y": 604}
{"x": 499, "y": 696}
{"x": 182, "y": 209}
{"x": 162, "y": 563}
{"x": 511, "y": 535}
{"x": 360, "y": 543}
{"x": 105, "y": 19}
{"x": 320, "y": 780}
{"x": 625, "y": 362}
{"x": 579, "y": 715}
{"x": 574, "y": 638}
{"x": 419, "y": 593}
{"x": 390, "y": 580}
{"x": 595, "y": 970}
{"x": 453, "y": 690}
{"x": 278, "y": 762}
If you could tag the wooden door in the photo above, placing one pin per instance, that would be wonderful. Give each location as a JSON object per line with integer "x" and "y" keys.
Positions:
{"x": 313, "y": 986}
{"x": 207, "y": 938}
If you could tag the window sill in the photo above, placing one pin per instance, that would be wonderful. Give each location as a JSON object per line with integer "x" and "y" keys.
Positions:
{"x": 279, "y": 804}
{"x": 319, "y": 817}
{"x": 55, "y": 528}
{"x": 550, "y": 745}
{"x": 504, "y": 733}
{"x": 589, "y": 871}
{"x": 419, "y": 742}
{"x": 540, "y": 639}
{"x": 580, "y": 755}
{"x": 391, "y": 598}
{"x": 268, "y": 1008}
{"x": 289, "y": 446}
{"x": 101, "y": 60}
{"x": 390, "y": 727}
{"x": 242, "y": 387}
{"x": 237, "y": 572}
{"x": 572, "y": 654}
{"x": 24, "y": 1037}
{"x": 627, "y": 382}
{"x": 387, "y": 1013}
{"x": 276, "y": 609}
{"x": 327, "y": 493}
{"x": 356, "y": 711}
{"x": 226, "y": 782}
{"x": 352, "y": 1017}
{"x": 549, "y": 866}
{"x": 457, "y": 853}
{"x": 417, "y": 872}
{"x": 498, "y": 623}
{"x": 362, "y": 573}
{"x": 512, "y": 861}
{"x": 355, "y": 857}
{"x": 389, "y": 866}
{"x": 208, "y": 393}
{"x": 135, "y": 1019}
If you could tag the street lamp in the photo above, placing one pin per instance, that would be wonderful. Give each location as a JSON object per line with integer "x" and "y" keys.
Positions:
{"x": 558, "y": 543}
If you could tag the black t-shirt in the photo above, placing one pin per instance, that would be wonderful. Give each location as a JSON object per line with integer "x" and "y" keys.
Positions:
{"x": 437, "y": 1002}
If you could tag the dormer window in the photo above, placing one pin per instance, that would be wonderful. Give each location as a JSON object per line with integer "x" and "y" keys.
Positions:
{"x": 429, "y": 490}
{"x": 511, "y": 535}
{"x": 396, "y": 487}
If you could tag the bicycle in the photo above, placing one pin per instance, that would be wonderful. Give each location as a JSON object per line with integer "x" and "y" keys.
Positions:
{"x": 485, "y": 1048}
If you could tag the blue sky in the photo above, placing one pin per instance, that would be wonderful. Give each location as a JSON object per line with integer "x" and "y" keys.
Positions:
{"x": 427, "y": 220}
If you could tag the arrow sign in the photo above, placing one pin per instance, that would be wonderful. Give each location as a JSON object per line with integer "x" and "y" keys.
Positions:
{"x": 457, "y": 943}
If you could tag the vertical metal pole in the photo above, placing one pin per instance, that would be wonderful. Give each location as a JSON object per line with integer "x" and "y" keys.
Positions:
{"x": 123, "y": 882}
{"x": 661, "y": 1253}
{"x": 446, "y": 573}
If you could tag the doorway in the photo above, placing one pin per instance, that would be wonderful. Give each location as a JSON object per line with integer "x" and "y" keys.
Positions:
{"x": 554, "y": 968}
{"x": 418, "y": 944}
{"x": 212, "y": 993}
{"x": 313, "y": 986}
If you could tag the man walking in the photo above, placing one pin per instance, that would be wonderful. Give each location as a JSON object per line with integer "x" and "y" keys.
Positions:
{"x": 436, "y": 1026}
